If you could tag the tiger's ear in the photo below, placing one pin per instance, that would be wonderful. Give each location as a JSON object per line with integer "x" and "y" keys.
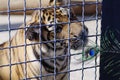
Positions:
{"x": 66, "y": 11}
{"x": 32, "y": 33}
{"x": 58, "y": 2}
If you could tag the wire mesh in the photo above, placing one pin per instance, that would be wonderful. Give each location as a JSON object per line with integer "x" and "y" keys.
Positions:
{"x": 83, "y": 18}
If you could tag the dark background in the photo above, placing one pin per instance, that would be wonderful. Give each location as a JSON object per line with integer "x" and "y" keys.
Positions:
{"x": 110, "y": 41}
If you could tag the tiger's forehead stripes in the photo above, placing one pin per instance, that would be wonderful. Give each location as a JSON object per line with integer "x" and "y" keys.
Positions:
{"x": 52, "y": 16}
{"x": 61, "y": 14}
{"x": 49, "y": 17}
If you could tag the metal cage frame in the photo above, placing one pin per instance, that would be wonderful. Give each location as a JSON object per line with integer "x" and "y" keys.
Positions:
{"x": 83, "y": 20}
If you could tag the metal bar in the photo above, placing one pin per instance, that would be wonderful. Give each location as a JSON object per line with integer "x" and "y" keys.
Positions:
{"x": 9, "y": 51}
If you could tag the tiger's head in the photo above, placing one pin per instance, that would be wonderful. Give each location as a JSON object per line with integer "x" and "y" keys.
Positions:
{"x": 51, "y": 26}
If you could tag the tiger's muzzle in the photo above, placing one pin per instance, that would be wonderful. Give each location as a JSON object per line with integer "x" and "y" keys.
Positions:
{"x": 81, "y": 40}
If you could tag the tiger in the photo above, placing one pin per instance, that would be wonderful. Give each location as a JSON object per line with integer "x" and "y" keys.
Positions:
{"x": 40, "y": 49}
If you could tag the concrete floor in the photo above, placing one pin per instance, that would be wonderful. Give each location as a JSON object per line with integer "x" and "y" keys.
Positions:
{"x": 80, "y": 74}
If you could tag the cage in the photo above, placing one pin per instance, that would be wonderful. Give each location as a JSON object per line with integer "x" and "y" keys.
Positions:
{"x": 83, "y": 64}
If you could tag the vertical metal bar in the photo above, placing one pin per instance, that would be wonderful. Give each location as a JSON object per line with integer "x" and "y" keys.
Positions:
{"x": 25, "y": 44}
{"x": 96, "y": 37}
{"x": 9, "y": 51}
{"x": 83, "y": 19}
{"x": 68, "y": 53}
{"x": 55, "y": 40}
{"x": 40, "y": 40}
